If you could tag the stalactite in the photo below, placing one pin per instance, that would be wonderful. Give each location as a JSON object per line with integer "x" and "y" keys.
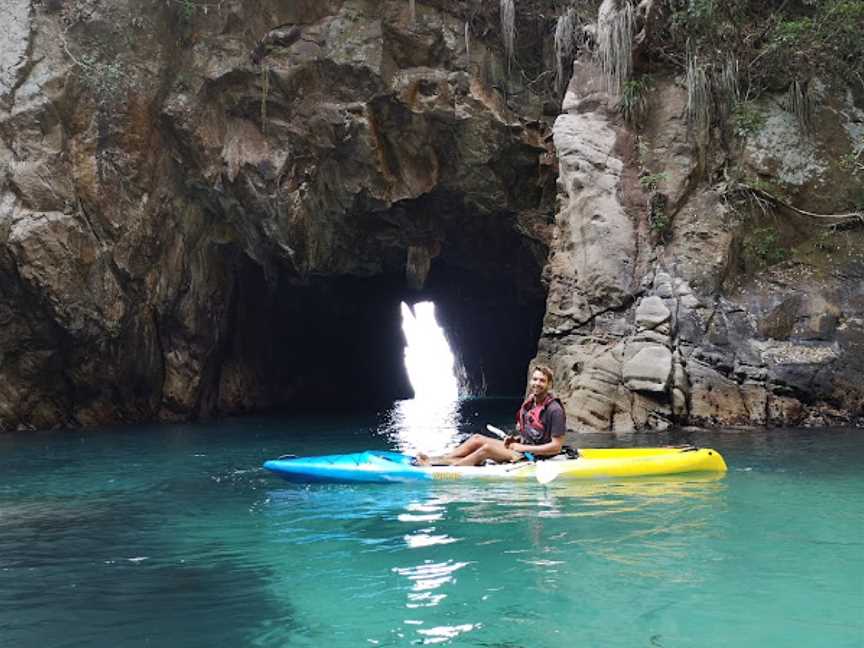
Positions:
{"x": 468, "y": 42}
{"x": 615, "y": 27}
{"x": 412, "y": 10}
{"x": 508, "y": 28}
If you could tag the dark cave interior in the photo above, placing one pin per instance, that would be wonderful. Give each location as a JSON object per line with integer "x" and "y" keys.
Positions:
{"x": 337, "y": 342}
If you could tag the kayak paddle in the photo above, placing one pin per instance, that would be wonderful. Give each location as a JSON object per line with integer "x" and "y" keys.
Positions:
{"x": 546, "y": 471}
{"x": 501, "y": 434}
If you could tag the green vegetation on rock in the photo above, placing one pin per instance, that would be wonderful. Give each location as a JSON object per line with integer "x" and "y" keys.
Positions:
{"x": 634, "y": 100}
{"x": 748, "y": 119}
{"x": 764, "y": 244}
{"x": 776, "y": 41}
{"x": 650, "y": 181}
{"x": 735, "y": 51}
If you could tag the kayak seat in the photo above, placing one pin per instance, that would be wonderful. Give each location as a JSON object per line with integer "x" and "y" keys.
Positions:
{"x": 568, "y": 452}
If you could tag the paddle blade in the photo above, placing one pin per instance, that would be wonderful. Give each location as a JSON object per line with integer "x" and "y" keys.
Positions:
{"x": 496, "y": 431}
{"x": 547, "y": 471}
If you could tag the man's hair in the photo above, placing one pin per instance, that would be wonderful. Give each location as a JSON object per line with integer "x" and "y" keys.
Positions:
{"x": 546, "y": 371}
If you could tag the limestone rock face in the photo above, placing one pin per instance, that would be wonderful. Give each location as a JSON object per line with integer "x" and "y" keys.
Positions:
{"x": 14, "y": 41}
{"x": 189, "y": 198}
{"x": 649, "y": 370}
{"x": 174, "y": 177}
{"x": 652, "y": 313}
{"x": 698, "y": 323}
{"x": 783, "y": 149}
{"x": 593, "y": 220}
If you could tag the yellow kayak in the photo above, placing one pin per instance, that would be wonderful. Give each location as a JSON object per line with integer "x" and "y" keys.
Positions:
{"x": 631, "y": 462}
{"x": 388, "y": 467}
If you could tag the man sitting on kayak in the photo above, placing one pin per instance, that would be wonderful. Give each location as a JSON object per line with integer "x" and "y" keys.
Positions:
{"x": 541, "y": 422}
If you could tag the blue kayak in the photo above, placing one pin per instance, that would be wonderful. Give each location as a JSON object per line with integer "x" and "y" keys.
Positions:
{"x": 369, "y": 466}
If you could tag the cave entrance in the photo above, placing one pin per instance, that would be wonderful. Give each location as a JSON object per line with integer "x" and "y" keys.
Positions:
{"x": 336, "y": 342}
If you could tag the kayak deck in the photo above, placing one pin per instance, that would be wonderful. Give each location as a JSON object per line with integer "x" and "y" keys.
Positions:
{"x": 374, "y": 466}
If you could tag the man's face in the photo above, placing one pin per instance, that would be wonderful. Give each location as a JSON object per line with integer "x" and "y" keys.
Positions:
{"x": 539, "y": 383}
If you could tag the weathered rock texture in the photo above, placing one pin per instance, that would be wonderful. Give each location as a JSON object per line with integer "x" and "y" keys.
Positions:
{"x": 217, "y": 206}
{"x": 204, "y": 206}
{"x": 651, "y": 323}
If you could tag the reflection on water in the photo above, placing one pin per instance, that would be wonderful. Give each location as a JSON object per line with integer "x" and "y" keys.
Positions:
{"x": 669, "y": 489}
{"x": 440, "y": 634}
{"x": 435, "y": 426}
{"x": 468, "y": 552}
{"x": 423, "y": 538}
{"x": 418, "y": 425}
{"x": 426, "y": 577}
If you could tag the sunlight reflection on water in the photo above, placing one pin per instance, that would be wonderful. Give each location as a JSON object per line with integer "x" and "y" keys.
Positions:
{"x": 429, "y": 426}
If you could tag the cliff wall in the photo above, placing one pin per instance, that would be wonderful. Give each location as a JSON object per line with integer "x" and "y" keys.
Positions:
{"x": 709, "y": 278}
{"x": 197, "y": 198}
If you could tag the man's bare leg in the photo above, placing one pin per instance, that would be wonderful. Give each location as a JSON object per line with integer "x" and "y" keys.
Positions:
{"x": 462, "y": 451}
{"x": 490, "y": 449}
{"x": 472, "y": 452}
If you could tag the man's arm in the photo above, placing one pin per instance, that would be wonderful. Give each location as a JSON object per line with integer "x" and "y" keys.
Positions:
{"x": 551, "y": 448}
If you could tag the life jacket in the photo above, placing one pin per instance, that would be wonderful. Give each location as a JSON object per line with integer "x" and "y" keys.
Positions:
{"x": 535, "y": 413}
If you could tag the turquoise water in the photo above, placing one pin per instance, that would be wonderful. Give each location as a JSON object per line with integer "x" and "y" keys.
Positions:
{"x": 171, "y": 535}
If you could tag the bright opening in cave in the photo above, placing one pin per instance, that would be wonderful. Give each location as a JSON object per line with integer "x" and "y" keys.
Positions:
{"x": 428, "y": 358}
{"x": 427, "y": 422}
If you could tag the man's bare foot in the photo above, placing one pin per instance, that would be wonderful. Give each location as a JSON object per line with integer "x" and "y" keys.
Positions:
{"x": 421, "y": 459}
